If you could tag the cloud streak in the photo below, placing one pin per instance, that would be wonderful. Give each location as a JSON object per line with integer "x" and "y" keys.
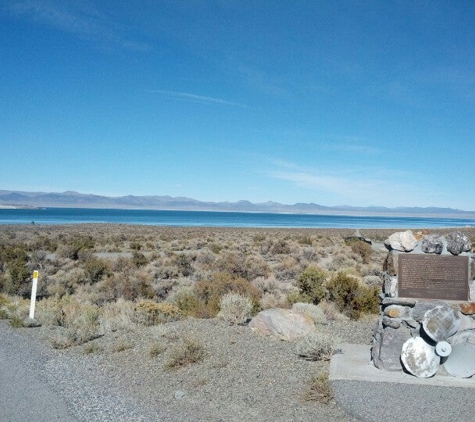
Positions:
{"x": 186, "y": 96}
{"x": 357, "y": 186}
{"x": 77, "y": 18}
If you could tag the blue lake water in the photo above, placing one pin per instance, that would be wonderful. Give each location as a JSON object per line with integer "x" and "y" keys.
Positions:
{"x": 219, "y": 219}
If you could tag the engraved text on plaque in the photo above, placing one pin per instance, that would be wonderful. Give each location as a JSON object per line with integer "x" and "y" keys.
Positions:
{"x": 425, "y": 276}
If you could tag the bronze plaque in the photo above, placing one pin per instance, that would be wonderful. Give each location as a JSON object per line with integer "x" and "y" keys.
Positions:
{"x": 423, "y": 276}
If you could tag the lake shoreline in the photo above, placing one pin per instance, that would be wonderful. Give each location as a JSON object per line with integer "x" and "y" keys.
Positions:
{"x": 55, "y": 216}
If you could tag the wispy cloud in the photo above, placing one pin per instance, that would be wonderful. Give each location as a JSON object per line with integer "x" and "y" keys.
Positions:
{"x": 186, "y": 96}
{"x": 342, "y": 186}
{"x": 358, "y": 186}
{"x": 81, "y": 19}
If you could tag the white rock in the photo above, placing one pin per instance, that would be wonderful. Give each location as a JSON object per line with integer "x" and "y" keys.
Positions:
{"x": 401, "y": 241}
{"x": 284, "y": 324}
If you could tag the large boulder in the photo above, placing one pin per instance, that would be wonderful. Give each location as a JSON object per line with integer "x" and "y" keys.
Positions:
{"x": 401, "y": 241}
{"x": 386, "y": 351}
{"x": 284, "y": 324}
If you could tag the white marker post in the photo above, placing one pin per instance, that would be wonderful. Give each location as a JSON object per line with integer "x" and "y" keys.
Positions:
{"x": 33, "y": 294}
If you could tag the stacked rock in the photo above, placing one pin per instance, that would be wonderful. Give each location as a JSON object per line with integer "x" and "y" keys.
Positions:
{"x": 422, "y": 336}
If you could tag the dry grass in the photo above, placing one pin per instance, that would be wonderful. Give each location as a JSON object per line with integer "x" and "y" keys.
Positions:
{"x": 317, "y": 346}
{"x": 189, "y": 351}
{"x": 122, "y": 345}
{"x": 319, "y": 389}
{"x": 156, "y": 349}
{"x": 91, "y": 348}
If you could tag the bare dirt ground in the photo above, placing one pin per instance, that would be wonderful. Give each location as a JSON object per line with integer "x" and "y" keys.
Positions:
{"x": 243, "y": 376}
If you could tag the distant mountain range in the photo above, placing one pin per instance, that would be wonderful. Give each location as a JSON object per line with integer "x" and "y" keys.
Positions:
{"x": 69, "y": 199}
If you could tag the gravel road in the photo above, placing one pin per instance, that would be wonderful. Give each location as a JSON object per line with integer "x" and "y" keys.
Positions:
{"x": 244, "y": 377}
{"x": 42, "y": 385}
{"x": 24, "y": 394}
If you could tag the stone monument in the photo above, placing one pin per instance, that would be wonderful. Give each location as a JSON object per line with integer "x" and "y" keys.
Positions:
{"x": 427, "y": 319}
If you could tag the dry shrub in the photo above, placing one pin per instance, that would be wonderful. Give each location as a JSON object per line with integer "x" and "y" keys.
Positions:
{"x": 189, "y": 351}
{"x": 310, "y": 254}
{"x": 187, "y": 301}
{"x": 258, "y": 238}
{"x": 295, "y": 296}
{"x": 76, "y": 247}
{"x": 280, "y": 247}
{"x": 156, "y": 349}
{"x": 342, "y": 261}
{"x": 95, "y": 269}
{"x": 163, "y": 288}
{"x": 255, "y": 266}
{"x": 215, "y": 248}
{"x": 311, "y": 284}
{"x": 233, "y": 263}
{"x": 117, "y": 315}
{"x": 122, "y": 264}
{"x": 184, "y": 263}
{"x": 14, "y": 308}
{"x": 324, "y": 241}
{"x": 313, "y": 311}
{"x": 65, "y": 282}
{"x": 139, "y": 259}
{"x": 287, "y": 269}
{"x": 363, "y": 249}
{"x": 274, "y": 300}
{"x": 48, "y": 311}
{"x": 205, "y": 259}
{"x": 235, "y": 308}
{"x": 305, "y": 240}
{"x": 351, "y": 297}
{"x": 148, "y": 312}
{"x": 316, "y": 346}
{"x": 126, "y": 286}
{"x": 211, "y": 291}
{"x": 331, "y": 311}
{"x": 3, "y": 306}
{"x": 16, "y": 280}
{"x": 266, "y": 285}
{"x": 80, "y": 323}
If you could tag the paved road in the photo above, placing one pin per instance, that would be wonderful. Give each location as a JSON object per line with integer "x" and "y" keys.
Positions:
{"x": 24, "y": 395}
{"x": 372, "y": 395}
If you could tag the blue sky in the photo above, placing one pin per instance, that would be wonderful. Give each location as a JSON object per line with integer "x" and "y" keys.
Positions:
{"x": 337, "y": 102}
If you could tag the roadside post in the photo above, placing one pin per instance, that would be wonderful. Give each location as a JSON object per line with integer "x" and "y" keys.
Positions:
{"x": 33, "y": 294}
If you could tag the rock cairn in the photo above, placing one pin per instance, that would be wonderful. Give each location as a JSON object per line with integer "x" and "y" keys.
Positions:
{"x": 423, "y": 336}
